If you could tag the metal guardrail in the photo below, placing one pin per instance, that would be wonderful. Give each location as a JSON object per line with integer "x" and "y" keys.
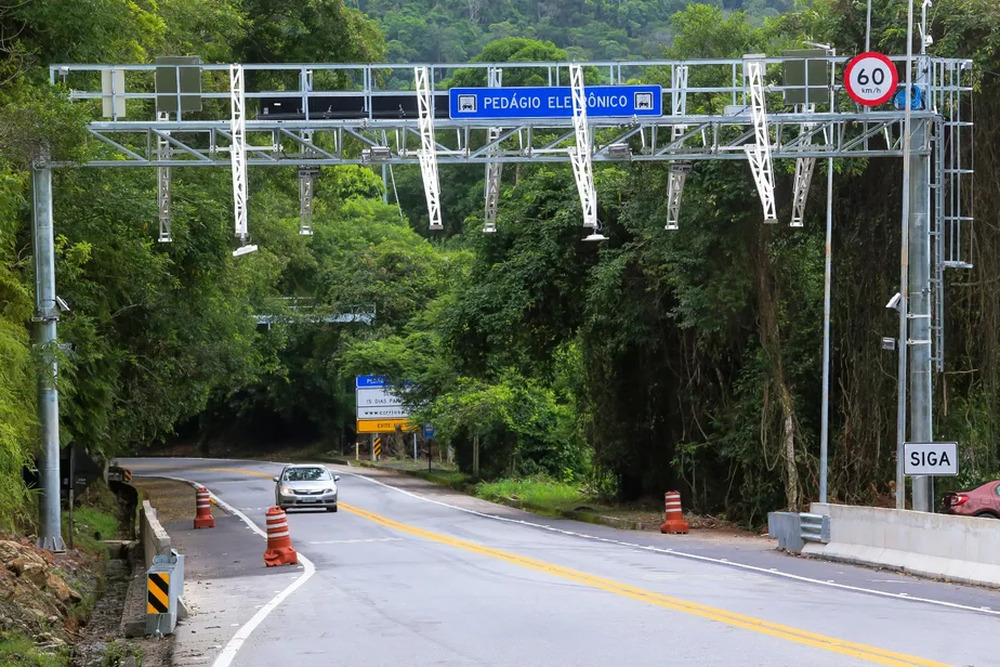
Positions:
{"x": 814, "y": 527}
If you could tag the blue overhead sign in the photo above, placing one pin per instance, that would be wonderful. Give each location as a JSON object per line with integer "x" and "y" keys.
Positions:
{"x": 553, "y": 102}
{"x": 366, "y": 381}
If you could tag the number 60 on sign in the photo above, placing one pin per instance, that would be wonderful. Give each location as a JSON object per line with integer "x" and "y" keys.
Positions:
{"x": 870, "y": 79}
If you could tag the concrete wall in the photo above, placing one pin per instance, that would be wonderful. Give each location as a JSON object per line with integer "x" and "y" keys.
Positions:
{"x": 940, "y": 545}
{"x": 155, "y": 540}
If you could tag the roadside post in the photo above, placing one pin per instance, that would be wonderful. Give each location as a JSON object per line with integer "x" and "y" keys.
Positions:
{"x": 428, "y": 436}
{"x": 164, "y": 585}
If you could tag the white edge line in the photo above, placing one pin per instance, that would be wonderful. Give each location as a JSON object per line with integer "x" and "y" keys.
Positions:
{"x": 236, "y": 642}
{"x": 670, "y": 552}
{"x": 690, "y": 556}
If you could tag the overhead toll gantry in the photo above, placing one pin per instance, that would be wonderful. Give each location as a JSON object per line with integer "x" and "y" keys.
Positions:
{"x": 180, "y": 112}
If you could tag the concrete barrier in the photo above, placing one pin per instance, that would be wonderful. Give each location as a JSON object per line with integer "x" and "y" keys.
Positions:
{"x": 957, "y": 548}
{"x": 156, "y": 542}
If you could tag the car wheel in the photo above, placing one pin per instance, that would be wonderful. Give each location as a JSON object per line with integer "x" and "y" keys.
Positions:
{"x": 987, "y": 515}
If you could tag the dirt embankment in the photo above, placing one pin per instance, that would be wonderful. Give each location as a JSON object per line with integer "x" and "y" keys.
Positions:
{"x": 66, "y": 609}
{"x": 44, "y": 598}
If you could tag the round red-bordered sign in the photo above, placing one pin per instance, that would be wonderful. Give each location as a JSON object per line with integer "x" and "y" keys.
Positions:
{"x": 870, "y": 79}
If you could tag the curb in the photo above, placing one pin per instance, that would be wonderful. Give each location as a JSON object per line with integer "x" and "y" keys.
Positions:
{"x": 573, "y": 515}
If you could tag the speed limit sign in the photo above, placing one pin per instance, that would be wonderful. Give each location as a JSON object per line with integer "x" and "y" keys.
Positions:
{"x": 870, "y": 79}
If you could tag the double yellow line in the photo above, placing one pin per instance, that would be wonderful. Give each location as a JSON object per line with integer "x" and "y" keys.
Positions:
{"x": 853, "y": 649}
{"x": 815, "y": 640}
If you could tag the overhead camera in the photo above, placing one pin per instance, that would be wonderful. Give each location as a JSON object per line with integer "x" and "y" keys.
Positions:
{"x": 62, "y": 305}
{"x": 894, "y": 301}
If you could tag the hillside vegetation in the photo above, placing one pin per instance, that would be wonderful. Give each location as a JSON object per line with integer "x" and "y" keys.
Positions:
{"x": 658, "y": 360}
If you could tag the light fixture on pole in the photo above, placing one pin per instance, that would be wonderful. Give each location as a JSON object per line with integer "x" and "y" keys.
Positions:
{"x": 244, "y": 250}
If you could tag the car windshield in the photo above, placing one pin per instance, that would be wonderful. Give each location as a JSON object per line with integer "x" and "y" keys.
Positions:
{"x": 307, "y": 475}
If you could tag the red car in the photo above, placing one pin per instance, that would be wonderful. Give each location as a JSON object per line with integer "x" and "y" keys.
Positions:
{"x": 983, "y": 501}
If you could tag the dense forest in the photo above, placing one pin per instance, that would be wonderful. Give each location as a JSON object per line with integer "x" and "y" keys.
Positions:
{"x": 689, "y": 359}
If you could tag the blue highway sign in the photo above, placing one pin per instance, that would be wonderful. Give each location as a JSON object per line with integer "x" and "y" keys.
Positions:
{"x": 553, "y": 102}
{"x": 365, "y": 381}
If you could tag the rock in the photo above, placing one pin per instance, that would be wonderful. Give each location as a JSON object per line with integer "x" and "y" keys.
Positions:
{"x": 34, "y": 570}
{"x": 62, "y": 592}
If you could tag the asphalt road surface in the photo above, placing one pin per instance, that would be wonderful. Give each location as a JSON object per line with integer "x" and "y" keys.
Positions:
{"x": 407, "y": 573}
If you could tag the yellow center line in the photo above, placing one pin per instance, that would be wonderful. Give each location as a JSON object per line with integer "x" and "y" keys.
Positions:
{"x": 816, "y": 640}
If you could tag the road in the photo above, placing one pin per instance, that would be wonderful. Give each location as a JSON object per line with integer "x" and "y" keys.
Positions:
{"x": 410, "y": 574}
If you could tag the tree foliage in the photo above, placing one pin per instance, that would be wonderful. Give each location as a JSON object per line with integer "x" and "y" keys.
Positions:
{"x": 687, "y": 360}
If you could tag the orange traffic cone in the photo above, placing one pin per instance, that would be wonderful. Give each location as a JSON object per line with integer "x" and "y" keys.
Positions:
{"x": 204, "y": 517}
{"x": 674, "y": 520}
{"x": 279, "y": 542}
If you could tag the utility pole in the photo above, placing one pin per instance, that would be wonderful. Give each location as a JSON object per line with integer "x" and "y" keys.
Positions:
{"x": 919, "y": 343}
{"x": 46, "y": 316}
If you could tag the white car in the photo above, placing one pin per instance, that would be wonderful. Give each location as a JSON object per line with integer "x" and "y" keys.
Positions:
{"x": 306, "y": 485}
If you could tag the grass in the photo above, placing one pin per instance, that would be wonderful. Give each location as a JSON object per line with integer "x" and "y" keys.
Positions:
{"x": 117, "y": 653}
{"x": 90, "y": 526}
{"x": 19, "y": 651}
{"x": 536, "y": 492}
{"x": 453, "y": 478}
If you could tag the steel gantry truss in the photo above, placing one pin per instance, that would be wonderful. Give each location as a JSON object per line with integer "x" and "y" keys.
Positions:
{"x": 348, "y": 117}
{"x": 580, "y": 154}
{"x": 428, "y": 153}
{"x": 679, "y": 169}
{"x": 759, "y": 152}
{"x": 315, "y": 115}
{"x": 494, "y": 170}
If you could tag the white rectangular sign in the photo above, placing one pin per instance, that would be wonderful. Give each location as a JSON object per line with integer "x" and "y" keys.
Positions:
{"x": 939, "y": 459}
{"x": 390, "y": 412}
{"x": 377, "y": 398}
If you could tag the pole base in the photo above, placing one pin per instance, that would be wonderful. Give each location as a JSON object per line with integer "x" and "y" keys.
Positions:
{"x": 54, "y": 544}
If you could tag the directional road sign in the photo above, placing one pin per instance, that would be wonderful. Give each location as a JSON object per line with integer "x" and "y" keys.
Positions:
{"x": 379, "y": 410}
{"x": 553, "y": 102}
{"x": 870, "y": 79}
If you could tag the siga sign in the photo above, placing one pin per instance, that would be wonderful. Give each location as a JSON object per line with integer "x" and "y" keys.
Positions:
{"x": 553, "y": 102}
{"x": 870, "y": 78}
{"x": 939, "y": 459}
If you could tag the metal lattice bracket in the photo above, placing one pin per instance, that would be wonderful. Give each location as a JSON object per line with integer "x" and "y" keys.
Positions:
{"x": 428, "y": 151}
{"x": 307, "y": 186}
{"x": 678, "y": 170}
{"x": 675, "y": 188}
{"x": 804, "y": 168}
{"x": 494, "y": 170}
{"x": 163, "y": 183}
{"x": 238, "y": 151}
{"x": 759, "y": 153}
{"x": 580, "y": 156}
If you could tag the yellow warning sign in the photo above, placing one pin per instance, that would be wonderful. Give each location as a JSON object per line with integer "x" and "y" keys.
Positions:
{"x": 157, "y": 593}
{"x": 383, "y": 425}
{"x": 378, "y": 448}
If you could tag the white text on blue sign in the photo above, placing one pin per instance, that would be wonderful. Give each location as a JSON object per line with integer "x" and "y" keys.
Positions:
{"x": 554, "y": 102}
